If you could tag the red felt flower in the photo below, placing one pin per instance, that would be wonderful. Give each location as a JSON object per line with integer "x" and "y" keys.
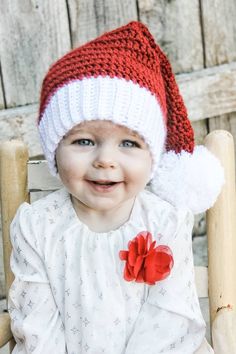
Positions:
{"x": 146, "y": 263}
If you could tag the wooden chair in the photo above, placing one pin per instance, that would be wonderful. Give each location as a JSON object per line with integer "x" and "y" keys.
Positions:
{"x": 21, "y": 179}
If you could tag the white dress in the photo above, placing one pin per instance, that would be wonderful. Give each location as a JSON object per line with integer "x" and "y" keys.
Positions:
{"x": 69, "y": 294}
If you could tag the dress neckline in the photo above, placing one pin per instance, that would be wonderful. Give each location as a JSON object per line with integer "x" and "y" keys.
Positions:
{"x": 134, "y": 218}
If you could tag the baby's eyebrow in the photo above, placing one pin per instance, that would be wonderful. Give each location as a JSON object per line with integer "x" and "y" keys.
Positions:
{"x": 82, "y": 130}
{"x": 75, "y": 131}
{"x": 135, "y": 134}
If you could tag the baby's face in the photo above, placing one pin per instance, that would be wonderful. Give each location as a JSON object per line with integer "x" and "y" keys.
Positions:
{"x": 103, "y": 164}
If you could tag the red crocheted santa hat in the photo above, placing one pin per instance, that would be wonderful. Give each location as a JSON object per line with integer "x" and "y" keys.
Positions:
{"x": 123, "y": 76}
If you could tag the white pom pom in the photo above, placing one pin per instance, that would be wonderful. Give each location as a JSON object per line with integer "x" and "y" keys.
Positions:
{"x": 191, "y": 180}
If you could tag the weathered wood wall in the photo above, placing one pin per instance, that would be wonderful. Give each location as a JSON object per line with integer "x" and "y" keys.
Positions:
{"x": 199, "y": 37}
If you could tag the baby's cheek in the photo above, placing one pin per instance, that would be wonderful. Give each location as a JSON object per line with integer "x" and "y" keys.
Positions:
{"x": 67, "y": 168}
{"x": 140, "y": 172}
{"x": 144, "y": 166}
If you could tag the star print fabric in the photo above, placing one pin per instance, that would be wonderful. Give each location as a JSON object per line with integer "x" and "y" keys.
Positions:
{"x": 69, "y": 295}
{"x": 35, "y": 319}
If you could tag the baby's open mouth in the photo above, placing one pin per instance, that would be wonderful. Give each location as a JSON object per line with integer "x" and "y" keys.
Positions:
{"x": 104, "y": 186}
{"x": 104, "y": 183}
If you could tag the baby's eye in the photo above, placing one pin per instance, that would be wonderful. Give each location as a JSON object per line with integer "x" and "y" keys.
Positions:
{"x": 83, "y": 142}
{"x": 129, "y": 143}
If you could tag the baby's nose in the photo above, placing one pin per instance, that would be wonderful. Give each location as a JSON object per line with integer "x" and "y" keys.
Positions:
{"x": 105, "y": 158}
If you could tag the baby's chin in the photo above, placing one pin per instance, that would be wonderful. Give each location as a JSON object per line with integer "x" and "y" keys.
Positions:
{"x": 103, "y": 202}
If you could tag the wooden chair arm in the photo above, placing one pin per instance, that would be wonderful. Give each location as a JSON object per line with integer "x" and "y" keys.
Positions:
{"x": 221, "y": 229}
{"x": 223, "y": 331}
{"x": 13, "y": 192}
{"x": 5, "y": 329}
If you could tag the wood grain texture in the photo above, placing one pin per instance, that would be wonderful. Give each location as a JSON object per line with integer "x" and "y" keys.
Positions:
{"x": 13, "y": 186}
{"x": 210, "y": 91}
{"x": 223, "y": 331}
{"x": 221, "y": 228}
{"x": 219, "y": 28}
{"x": 219, "y": 32}
{"x": 5, "y": 330}
{"x": 176, "y": 27}
{"x": 228, "y": 121}
{"x": 2, "y": 275}
{"x": 39, "y": 177}
{"x": 201, "y": 279}
{"x": 20, "y": 123}
{"x": 13, "y": 159}
{"x": 90, "y": 18}
{"x": 200, "y": 131}
{"x": 33, "y": 34}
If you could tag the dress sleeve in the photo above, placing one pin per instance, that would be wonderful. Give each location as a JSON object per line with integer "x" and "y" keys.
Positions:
{"x": 35, "y": 320}
{"x": 170, "y": 320}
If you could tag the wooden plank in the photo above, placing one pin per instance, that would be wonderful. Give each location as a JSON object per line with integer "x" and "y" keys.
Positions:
{"x": 36, "y": 195}
{"x": 13, "y": 186}
{"x": 39, "y": 177}
{"x": 201, "y": 279}
{"x": 200, "y": 131}
{"x": 90, "y": 18}
{"x": 5, "y": 329}
{"x": 219, "y": 28}
{"x": 33, "y": 34}
{"x": 20, "y": 123}
{"x": 209, "y": 92}
{"x": 176, "y": 27}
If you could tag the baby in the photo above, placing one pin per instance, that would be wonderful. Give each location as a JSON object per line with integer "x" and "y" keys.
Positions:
{"x": 105, "y": 265}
